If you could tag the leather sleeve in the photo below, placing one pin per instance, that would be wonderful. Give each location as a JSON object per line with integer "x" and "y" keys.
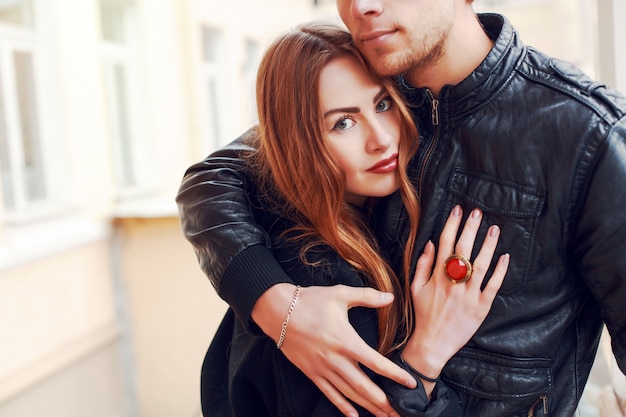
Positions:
{"x": 444, "y": 402}
{"x": 600, "y": 236}
{"x": 219, "y": 220}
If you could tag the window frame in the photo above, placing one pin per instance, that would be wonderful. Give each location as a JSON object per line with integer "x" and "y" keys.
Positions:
{"x": 51, "y": 147}
{"x": 211, "y": 82}
{"x": 126, "y": 124}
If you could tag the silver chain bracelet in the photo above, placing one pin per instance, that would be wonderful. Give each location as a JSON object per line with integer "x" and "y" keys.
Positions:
{"x": 283, "y": 330}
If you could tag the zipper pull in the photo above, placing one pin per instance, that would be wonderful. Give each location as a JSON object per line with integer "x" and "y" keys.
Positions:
{"x": 435, "y": 112}
{"x": 544, "y": 399}
{"x": 434, "y": 102}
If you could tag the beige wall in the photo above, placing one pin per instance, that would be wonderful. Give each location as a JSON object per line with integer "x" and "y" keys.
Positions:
{"x": 117, "y": 327}
{"x": 173, "y": 312}
{"x": 89, "y": 385}
{"x": 54, "y": 314}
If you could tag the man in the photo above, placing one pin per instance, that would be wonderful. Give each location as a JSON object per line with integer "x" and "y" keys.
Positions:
{"x": 530, "y": 140}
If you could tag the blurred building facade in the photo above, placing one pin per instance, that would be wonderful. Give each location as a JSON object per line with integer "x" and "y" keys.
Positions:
{"x": 103, "y": 104}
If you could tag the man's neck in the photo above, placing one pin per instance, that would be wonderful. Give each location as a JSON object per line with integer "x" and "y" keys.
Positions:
{"x": 466, "y": 47}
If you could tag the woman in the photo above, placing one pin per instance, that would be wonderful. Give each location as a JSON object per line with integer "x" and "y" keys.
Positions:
{"x": 332, "y": 138}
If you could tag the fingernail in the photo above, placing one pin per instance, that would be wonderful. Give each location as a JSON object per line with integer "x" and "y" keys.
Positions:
{"x": 494, "y": 231}
{"x": 386, "y": 297}
{"x": 505, "y": 259}
{"x": 456, "y": 211}
{"x": 428, "y": 248}
{"x": 475, "y": 213}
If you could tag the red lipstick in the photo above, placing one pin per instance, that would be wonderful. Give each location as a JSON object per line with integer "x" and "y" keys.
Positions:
{"x": 385, "y": 165}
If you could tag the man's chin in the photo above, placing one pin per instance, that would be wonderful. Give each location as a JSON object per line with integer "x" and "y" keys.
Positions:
{"x": 386, "y": 69}
{"x": 389, "y": 65}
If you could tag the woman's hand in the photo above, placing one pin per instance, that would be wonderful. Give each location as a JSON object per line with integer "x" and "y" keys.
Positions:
{"x": 447, "y": 314}
{"x": 322, "y": 343}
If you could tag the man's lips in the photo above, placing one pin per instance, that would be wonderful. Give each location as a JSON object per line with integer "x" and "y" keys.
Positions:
{"x": 376, "y": 35}
{"x": 385, "y": 165}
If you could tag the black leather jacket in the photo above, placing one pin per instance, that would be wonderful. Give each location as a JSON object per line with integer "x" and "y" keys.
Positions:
{"x": 541, "y": 149}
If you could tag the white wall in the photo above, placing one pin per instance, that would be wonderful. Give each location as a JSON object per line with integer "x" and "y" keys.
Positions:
{"x": 611, "y": 41}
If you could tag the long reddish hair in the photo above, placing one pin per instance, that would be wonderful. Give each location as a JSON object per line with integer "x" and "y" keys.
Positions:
{"x": 295, "y": 165}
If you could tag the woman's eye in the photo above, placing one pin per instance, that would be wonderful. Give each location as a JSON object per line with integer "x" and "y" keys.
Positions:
{"x": 344, "y": 123}
{"x": 384, "y": 105}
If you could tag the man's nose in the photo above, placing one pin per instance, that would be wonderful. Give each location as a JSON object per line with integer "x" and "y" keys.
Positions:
{"x": 366, "y": 8}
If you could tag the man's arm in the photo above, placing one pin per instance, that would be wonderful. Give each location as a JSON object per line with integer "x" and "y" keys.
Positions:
{"x": 234, "y": 252}
{"x": 219, "y": 221}
{"x": 599, "y": 238}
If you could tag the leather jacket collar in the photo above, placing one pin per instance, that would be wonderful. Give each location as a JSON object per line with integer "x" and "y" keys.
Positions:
{"x": 480, "y": 85}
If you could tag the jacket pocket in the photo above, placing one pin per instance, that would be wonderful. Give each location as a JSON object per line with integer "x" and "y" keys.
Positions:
{"x": 515, "y": 208}
{"x": 492, "y": 384}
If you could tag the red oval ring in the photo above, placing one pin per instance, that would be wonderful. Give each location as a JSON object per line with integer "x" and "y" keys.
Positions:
{"x": 458, "y": 268}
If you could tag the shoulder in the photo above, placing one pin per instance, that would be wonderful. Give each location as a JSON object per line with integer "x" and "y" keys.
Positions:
{"x": 562, "y": 77}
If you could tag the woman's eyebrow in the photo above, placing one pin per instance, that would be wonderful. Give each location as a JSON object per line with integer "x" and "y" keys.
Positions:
{"x": 381, "y": 93}
{"x": 377, "y": 97}
{"x": 342, "y": 110}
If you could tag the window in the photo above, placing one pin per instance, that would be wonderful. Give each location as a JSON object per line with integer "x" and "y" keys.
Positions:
{"x": 210, "y": 70}
{"x": 22, "y": 162}
{"x": 252, "y": 57}
{"x": 129, "y": 142}
{"x": 16, "y": 12}
{"x": 564, "y": 29}
{"x": 515, "y": 3}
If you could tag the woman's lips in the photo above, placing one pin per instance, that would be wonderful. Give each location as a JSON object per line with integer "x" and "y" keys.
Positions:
{"x": 385, "y": 165}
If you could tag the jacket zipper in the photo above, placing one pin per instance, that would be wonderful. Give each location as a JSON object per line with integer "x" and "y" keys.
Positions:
{"x": 435, "y": 108}
{"x": 434, "y": 102}
{"x": 543, "y": 398}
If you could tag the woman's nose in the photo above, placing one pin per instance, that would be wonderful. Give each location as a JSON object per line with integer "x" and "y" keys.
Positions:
{"x": 379, "y": 138}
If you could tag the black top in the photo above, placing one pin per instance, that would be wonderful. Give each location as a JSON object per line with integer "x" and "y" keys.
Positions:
{"x": 244, "y": 374}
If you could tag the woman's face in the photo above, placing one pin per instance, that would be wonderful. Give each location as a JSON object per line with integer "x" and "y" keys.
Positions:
{"x": 362, "y": 129}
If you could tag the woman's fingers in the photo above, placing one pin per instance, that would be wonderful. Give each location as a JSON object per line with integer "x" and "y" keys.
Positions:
{"x": 447, "y": 241}
{"x": 448, "y": 244}
{"x": 495, "y": 282}
{"x": 322, "y": 343}
{"x": 336, "y": 397}
{"x": 424, "y": 267}
{"x": 359, "y": 351}
{"x": 468, "y": 235}
{"x": 341, "y": 386}
{"x": 338, "y": 391}
{"x": 481, "y": 264}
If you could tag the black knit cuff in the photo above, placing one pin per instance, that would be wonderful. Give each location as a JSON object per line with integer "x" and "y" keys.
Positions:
{"x": 252, "y": 272}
